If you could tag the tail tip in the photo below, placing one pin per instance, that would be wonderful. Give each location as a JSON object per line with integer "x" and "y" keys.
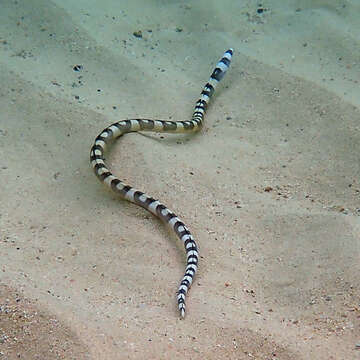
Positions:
{"x": 182, "y": 312}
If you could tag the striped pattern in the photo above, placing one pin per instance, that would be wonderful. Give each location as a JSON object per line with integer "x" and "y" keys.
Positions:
{"x": 147, "y": 202}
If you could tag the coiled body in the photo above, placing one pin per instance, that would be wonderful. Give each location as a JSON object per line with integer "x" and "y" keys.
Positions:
{"x": 147, "y": 202}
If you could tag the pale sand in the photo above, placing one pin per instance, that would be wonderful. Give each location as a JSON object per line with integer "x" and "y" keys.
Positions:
{"x": 270, "y": 188}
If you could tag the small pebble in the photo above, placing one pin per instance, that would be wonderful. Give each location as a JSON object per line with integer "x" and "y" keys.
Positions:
{"x": 138, "y": 34}
{"x": 77, "y": 67}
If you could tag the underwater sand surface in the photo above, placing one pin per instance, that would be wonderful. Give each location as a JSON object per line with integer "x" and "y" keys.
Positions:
{"x": 270, "y": 188}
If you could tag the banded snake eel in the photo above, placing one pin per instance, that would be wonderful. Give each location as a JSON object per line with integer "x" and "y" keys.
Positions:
{"x": 137, "y": 197}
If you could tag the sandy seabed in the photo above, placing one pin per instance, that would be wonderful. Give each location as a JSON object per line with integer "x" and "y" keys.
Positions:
{"x": 270, "y": 188}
